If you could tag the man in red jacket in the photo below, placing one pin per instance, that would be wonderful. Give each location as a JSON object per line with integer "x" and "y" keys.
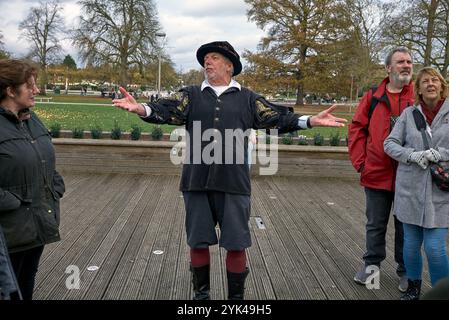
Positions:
{"x": 371, "y": 124}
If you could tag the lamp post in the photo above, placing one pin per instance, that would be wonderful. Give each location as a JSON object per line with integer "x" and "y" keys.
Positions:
{"x": 161, "y": 35}
{"x": 352, "y": 83}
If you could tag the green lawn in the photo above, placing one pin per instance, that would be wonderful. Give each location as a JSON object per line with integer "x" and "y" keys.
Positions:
{"x": 89, "y": 116}
{"x": 326, "y": 132}
{"x": 104, "y": 116}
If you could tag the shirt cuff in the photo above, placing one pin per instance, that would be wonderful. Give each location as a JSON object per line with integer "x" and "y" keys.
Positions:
{"x": 147, "y": 110}
{"x": 304, "y": 122}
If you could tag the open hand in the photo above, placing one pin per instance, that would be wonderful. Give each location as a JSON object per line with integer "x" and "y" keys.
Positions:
{"x": 326, "y": 119}
{"x": 128, "y": 103}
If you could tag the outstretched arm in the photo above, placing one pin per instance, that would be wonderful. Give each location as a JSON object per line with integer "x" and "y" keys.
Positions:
{"x": 326, "y": 119}
{"x": 171, "y": 110}
{"x": 271, "y": 116}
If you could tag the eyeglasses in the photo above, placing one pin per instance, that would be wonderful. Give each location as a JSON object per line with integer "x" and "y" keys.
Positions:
{"x": 31, "y": 86}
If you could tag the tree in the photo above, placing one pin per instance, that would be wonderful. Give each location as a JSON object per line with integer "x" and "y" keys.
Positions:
{"x": 423, "y": 26}
{"x": 297, "y": 32}
{"x": 3, "y": 53}
{"x": 363, "y": 44}
{"x": 192, "y": 77}
{"x": 121, "y": 32}
{"x": 69, "y": 62}
{"x": 42, "y": 28}
{"x": 442, "y": 38}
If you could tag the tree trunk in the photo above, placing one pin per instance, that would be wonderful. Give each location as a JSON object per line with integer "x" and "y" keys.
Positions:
{"x": 446, "y": 60}
{"x": 124, "y": 77}
{"x": 446, "y": 48}
{"x": 300, "y": 94}
{"x": 430, "y": 31}
{"x": 43, "y": 82}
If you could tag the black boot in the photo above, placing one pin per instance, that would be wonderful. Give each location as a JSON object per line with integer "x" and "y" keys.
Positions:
{"x": 201, "y": 282}
{"x": 413, "y": 290}
{"x": 236, "y": 284}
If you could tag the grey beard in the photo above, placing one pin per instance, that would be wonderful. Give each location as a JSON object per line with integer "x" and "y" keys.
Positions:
{"x": 402, "y": 80}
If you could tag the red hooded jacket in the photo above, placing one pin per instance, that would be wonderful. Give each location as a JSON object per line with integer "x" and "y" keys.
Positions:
{"x": 366, "y": 138}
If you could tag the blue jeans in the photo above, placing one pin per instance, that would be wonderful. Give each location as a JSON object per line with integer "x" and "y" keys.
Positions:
{"x": 435, "y": 247}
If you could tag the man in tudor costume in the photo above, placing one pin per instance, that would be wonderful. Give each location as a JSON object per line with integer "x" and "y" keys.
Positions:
{"x": 219, "y": 191}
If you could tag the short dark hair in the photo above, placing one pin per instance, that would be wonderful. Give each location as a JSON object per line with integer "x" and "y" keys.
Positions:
{"x": 392, "y": 52}
{"x": 14, "y": 73}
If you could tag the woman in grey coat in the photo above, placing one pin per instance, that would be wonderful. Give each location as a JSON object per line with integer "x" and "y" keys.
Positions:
{"x": 419, "y": 204}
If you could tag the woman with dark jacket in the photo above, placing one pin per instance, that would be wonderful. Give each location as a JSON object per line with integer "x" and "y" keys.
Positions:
{"x": 30, "y": 187}
{"x": 419, "y": 204}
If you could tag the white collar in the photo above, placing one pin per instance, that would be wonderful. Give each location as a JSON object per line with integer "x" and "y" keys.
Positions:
{"x": 232, "y": 84}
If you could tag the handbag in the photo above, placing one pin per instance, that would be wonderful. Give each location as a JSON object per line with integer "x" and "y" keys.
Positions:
{"x": 440, "y": 170}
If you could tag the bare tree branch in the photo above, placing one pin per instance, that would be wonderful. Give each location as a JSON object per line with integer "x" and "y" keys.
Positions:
{"x": 42, "y": 28}
{"x": 120, "y": 32}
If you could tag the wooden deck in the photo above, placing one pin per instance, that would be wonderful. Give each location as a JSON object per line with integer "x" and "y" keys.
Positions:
{"x": 310, "y": 249}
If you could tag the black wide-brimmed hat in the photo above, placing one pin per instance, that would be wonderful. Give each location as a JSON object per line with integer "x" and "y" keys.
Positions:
{"x": 225, "y": 49}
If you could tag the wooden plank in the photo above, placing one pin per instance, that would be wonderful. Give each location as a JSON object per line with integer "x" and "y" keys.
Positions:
{"x": 388, "y": 269}
{"x": 96, "y": 234}
{"x": 331, "y": 277}
{"x": 274, "y": 253}
{"x": 76, "y": 216}
{"x": 128, "y": 259}
{"x": 310, "y": 249}
{"x": 298, "y": 274}
{"x": 159, "y": 240}
{"x": 76, "y": 209}
{"x": 167, "y": 278}
{"x": 91, "y": 234}
{"x": 112, "y": 246}
{"x": 182, "y": 286}
{"x": 144, "y": 255}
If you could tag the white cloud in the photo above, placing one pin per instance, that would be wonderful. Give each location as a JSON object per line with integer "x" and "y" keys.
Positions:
{"x": 9, "y": 25}
{"x": 195, "y": 22}
{"x": 187, "y": 23}
{"x": 200, "y": 8}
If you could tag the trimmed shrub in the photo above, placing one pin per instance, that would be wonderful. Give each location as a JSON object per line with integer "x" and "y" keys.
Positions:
{"x": 318, "y": 140}
{"x": 78, "y": 133}
{"x": 157, "y": 133}
{"x": 334, "y": 139}
{"x": 136, "y": 132}
{"x": 116, "y": 132}
{"x": 95, "y": 132}
{"x": 287, "y": 139}
{"x": 55, "y": 130}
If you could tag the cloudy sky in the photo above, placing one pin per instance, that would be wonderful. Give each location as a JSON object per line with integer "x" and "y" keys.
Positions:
{"x": 187, "y": 23}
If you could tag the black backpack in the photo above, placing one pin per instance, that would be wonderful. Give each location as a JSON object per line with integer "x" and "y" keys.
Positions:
{"x": 374, "y": 102}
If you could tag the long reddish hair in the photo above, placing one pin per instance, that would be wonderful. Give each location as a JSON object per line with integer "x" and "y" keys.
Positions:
{"x": 14, "y": 73}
